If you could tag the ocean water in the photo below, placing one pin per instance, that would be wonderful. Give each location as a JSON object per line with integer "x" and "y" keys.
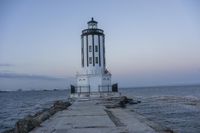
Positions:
{"x": 18, "y": 104}
{"x": 177, "y": 108}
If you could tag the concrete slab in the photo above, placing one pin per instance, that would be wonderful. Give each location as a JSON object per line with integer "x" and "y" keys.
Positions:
{"x": 133, "y": 124}
{"x": 89, "y": 117}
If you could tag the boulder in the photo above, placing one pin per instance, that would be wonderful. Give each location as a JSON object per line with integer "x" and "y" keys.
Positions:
{"x": 126, "y": 100}
{"x": 25, "y": 125}
{"x": 60, "y": 105}
{"x": 121, "y": 102}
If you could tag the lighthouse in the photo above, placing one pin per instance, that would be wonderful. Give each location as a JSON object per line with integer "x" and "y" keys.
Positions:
{"x": 93, "y": 77}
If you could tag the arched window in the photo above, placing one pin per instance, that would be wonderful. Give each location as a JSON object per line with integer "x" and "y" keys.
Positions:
{"x": 90, "y": 60}
{"x": 96, "y": 59}
{"x": 96, "y": 48}
{"x": 90, "y": 48}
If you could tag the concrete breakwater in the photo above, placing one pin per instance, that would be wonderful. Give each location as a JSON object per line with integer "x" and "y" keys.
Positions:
{"x": 101, "y": 115}
{"x": 28, "y": 123}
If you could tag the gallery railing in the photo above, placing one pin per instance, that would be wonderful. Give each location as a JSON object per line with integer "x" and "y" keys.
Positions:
{"x": 87, "y": 89}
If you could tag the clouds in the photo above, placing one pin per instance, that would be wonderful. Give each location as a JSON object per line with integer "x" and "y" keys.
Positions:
{"x": 27, "y": 76}
{"x": 6, "y": 65}
{"x": 6, "y": 71}
{"x": 12, "y": 81}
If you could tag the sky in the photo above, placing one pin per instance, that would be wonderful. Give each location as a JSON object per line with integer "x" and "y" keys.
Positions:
{"x": 148, "y": 43}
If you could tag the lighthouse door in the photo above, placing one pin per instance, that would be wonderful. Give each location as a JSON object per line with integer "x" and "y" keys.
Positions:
{"x": 94, "y": 83}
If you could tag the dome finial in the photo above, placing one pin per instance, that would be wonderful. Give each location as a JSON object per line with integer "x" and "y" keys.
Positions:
{"x": 92, "y": 24}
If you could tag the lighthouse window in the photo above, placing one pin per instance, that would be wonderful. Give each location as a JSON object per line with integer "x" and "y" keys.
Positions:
{"x": 96, "y": 48}
{"x": 90, "y": 60}
{"x": 96, "y": 60}
{"x": 90, "y": 48}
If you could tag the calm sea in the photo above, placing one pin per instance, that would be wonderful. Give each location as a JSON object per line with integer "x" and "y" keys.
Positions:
{"x": 175, "y": 107}
{"x": 16, "y": 105}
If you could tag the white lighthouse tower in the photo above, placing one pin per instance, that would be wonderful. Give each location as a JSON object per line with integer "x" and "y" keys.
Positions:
{"x": 94, "y": 77}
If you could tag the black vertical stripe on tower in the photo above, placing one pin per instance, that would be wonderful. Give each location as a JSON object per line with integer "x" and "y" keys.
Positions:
{"x": 104, "y": 62}
{"x": 87, "y": 48}
{"x": 82, "y": 42}
{"x": 81, "y": 52}
{"x": 99, "y": 50}
{"x": 93, "y": 49}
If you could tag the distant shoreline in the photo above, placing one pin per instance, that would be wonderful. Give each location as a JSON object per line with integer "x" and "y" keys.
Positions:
{"x": 133, "y": 87}
{"x": 4, "y": 91}
{"x": 160, "y": 86}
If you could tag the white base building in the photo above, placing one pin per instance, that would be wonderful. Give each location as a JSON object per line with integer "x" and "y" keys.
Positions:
{"x": 94, "y": 82}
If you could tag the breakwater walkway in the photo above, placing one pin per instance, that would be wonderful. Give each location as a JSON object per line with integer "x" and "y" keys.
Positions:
{"x": 93, "y": 116}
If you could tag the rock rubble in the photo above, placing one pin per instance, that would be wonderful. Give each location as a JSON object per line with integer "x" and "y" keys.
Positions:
{"x": 30, "y": 122}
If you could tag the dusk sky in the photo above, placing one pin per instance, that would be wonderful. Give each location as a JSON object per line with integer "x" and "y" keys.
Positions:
{"x": 148, "y": 42}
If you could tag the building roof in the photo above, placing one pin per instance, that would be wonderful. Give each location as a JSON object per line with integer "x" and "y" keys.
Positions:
{"x": 92, "y": 21}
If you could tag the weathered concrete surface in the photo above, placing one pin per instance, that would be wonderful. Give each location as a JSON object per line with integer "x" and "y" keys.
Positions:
{"x": 91, "y": 117}
{"x": 131, "y": 122}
